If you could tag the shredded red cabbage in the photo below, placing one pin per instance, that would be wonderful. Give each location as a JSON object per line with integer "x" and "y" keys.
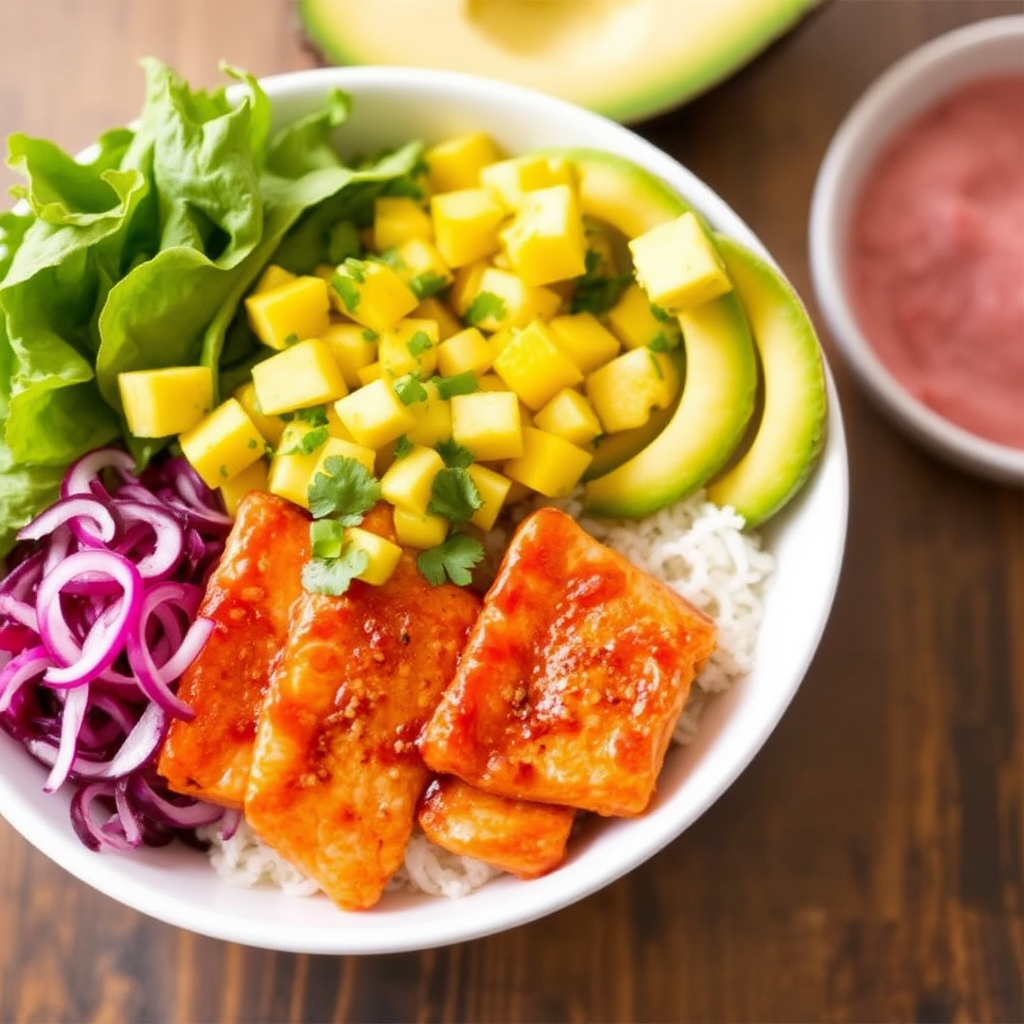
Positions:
{"x": 98, "y": 620}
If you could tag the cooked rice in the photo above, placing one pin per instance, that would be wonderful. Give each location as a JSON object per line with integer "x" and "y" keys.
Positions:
{"x": 698, "y": 549}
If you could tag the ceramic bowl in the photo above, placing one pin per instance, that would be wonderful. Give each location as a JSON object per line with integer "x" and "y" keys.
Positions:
{"x": 177, "y": 885}
{"x": 910, "y": 86}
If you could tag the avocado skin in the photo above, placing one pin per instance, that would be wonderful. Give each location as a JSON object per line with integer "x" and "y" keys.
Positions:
{"x": 791, "y": 433}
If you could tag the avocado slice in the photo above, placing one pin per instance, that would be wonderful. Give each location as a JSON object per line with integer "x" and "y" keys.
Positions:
{"x": 791, "y": 431}
{"x": 716, "y": 405}
{"x": 627, "y": 59}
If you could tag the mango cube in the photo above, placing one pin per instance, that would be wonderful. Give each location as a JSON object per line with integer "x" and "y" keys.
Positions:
{"x": 410, "y": 346}
{"x": 396, "y": 219}
{"x": 223, "y": 443}
{"x": 408, "y": 481}
{"x": 636, "y": 323}
{"x": 677, "y": 265}
{"x": 335, "y": 447}
{"x": 545, "y": 241}
{"x": 498, "y": 299}
{"x": 493, "y": 489}
{"x": 466, "y": 351}
{"x": 271, "y": 427}
{"x": 466, "y": 224}
{"x": 624, "y": 391}
{"x": 534, "y": 367}
{"x": 382, "y": 554}
{"x": 294, "y": 460}
{"x": 584, "y": 339}
{"x": 549, "y": 464}
{"x": 252, "y": 478}
{"x": 300, "y": 376}
{"x": 455, "y": 163}
{"x": 419, "y": 263}
{"x": 571, "y": 416}
{"x": 433, "y": 418}
{"x": 371, "y": 293}
{"x": 367, "y": 374}
{"x": 294, "y": 310}
{"x": 511, "y": 179}
{"x": 158, "y": 403}
{"x": 374, "y": 414}
{"x": 272, "y": 277}
{"x": 416, "y": 530}
{"x": 488, "y": 424}
{"x": 353, "y": 347}
{"x": 432, "y": 308}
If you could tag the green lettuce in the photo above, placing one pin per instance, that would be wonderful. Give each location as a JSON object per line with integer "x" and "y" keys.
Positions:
{"x": 139, "y": 257}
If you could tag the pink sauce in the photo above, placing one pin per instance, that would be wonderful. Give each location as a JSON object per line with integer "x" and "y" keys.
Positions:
{"x": 936, "y": 262}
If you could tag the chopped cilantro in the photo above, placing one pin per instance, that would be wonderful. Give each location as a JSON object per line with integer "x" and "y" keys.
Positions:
{"x": 660, "y": 314}
{"x": 314, "y": 415}
{"x": 347, "y": 491}
{"x": 453, "y": 559}
{"x": 223, "y": 472}
{"x": 464, "y": 383}
{"x": 485, "y": 306}
{"x": 252, "y": 443}
{"x": 308, "y": 443}
{"x": 427, "y": 283}
{"x": 356, "y": 268}
{"x": 348, "y": 290}
{"x": 659, "y": 343}
{"x": 657, "y": 366}
{"x": 403, "y": 447}
{"x": 455, "y": 455}
{"x": 453, "y": 495}
{"x": 292, "y": 339}
{"x": 334, "y": 575}
{"x": 409, "y": 389}
{"x": 419, "y": 343}
{"x": 369, "y": 334}
{"x": 595, "y": 292}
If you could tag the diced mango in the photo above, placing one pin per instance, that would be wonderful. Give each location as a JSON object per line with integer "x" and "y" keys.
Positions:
{"x": 295, "y": 310}
{"x": 468, "y": 350}
{"x": 534, "y": 367}
{"x": 158, "y": 403}
{"x": 272, "y": 277}
{"x": 335, "y": 428}
{"x": 302, "y": 375}
{"x": 408, "y": 481}
{"x": 410, "y": 346}
{"x": 293, "y": 462}
{"x": 433, "y": 418}
{"x": 455, "y": 163}
{"x": 419, "y": 263}
{"x": 371, "y": 293}
{"x": 549, "y": 464}
{"x": 252, "y": 478}
{"x": 488, "y": 424}
{"x": 271, "y": 427}
{"x": 416, "y": 530}
{"x": 491, "y": 382}
{"x": 493, "y": 489}
{"x": 465, "y": 285}
{"x": 367, "y": 374}
{"x": 223, "y": 443}
{"x": 625, "y": 390}
{"x": 545, "y": 241}
{"x": 335, "y": 447}
{"x": 432, "y": 308}
{"x": 510, "y": 179}
{"x": 636, "y": 323}
{"x": 396, "y": 219}
{"x": 382, "y": 554}
{"x": 466, "y": 225}
{"x": 500, "y": 299}
{"x": 584, "y": 339}
{"x": 374, "y": 414}
{"x": 571, "y": 416}
{"x": 677, "y": 266}
{"x": 353, "y": 347}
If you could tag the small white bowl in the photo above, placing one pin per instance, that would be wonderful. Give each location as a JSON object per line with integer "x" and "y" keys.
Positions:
{"x": 912, "y": 85}
{"x": 178, "y": 885}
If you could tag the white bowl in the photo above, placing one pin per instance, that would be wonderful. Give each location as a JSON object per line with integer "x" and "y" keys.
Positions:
{"x": 178, "y": 886}
{"x": 914, "y": 83}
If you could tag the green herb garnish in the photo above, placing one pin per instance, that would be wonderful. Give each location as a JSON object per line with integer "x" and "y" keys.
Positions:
{"x": 486, "y": 306}
{"x": 409, "y": 389}
{"x": 334, "y": 575}
{"x": 346, "y": 491}
{"x": 464, "y": 383}
{"x": 453, "y": 559}
{"x": 428, "y": 283}
{"x": 455, "y": 455}
{"x": 453, "y": 495}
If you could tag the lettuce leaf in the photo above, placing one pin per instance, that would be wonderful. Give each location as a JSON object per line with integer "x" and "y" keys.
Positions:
{"x": 139, "y": 257}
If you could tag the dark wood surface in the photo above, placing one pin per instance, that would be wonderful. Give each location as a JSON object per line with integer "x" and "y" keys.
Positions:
{"x": 870, "y": 863}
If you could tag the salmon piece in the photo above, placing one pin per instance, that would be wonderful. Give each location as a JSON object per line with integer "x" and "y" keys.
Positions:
{"x": 249, "y": 596}
{"x": 336, "y": 776}
{"x": 572, "y": 678}
{"x": 525, "y": 839}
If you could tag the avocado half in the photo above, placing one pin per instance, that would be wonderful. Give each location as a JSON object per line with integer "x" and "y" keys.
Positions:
{"x": 626, "y": 59}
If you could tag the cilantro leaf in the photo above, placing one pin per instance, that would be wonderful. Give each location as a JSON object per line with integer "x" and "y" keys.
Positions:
{"x": 348, "y": 290}
{"x": 346, "y": 491}
{"x": 453, "y": 495}
{"x": 596, "y": 292}
{"x": 485, "y": 306}
{"x": 428, "y": 283}
{"x": 464, "y": 383}
{"x": 356, "y": 268}
{"x": 409, "y": 389}
{"x": 314, "y": 415}
{"x": 334, "y": 575}
{"x": 403, "y": 447}
{"x": 453, "y": 559}
{"x": 419, "y": 343}
{"x": 308, "y": 443}
{"x": 455, "y": 455}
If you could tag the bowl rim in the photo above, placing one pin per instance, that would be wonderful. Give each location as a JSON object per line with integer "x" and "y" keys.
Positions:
{"x": 921, "y": 77}
{"x": 712, "y": 770}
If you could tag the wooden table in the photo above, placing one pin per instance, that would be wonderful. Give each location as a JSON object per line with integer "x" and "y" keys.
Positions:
{"x": 870, "y": 863}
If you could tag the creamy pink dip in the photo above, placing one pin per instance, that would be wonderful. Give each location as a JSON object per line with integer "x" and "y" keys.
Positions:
{"x": 936, "y": 258}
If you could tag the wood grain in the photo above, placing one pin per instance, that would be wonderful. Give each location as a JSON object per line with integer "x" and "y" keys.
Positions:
{"x": 868, "y": 866}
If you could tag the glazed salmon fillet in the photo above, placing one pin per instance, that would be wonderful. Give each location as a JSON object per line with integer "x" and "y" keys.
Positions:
{"x": 249, "y": 597}
{"x": 336, "y": 775}
{"x": 523, "y": 838}
{"x": 572, "y": 678}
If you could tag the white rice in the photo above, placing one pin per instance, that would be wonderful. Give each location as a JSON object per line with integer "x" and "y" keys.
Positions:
{"x": 694, "y": 546}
